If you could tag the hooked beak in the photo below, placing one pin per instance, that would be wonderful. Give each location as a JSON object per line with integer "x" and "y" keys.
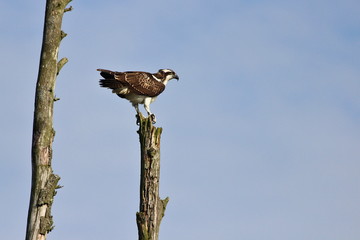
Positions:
{"x": 176, "y": 77}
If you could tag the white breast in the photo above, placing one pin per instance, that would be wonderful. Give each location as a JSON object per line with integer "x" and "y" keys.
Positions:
{"x": 135, "y": 99}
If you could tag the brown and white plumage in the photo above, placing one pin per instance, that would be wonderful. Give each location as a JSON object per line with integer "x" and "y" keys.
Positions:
{"x": 137, "y": 87}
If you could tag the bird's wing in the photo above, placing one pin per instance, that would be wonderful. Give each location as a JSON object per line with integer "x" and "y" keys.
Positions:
{"x": 107, "y": 74}
{"x": 141, "y": 83}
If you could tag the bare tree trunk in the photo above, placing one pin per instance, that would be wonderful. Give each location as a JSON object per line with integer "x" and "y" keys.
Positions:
{"x": 152, "y": 208}
{"x": 44, "y": 182}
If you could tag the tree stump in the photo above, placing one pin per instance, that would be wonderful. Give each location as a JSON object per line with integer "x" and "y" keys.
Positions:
{"x": 152, "y": 208}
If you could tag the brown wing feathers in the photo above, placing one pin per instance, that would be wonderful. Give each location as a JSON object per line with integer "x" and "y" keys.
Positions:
{"x": 141, "y": 83}
{"x": 107, "y": 74}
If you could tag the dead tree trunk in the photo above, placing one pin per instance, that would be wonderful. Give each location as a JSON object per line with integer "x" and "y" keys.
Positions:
{"x": 44, "y": 181}
{"x": 152, "y": 208}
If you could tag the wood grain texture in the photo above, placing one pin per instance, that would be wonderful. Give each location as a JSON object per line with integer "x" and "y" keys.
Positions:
{"x": 44, "y": 181}
{"x": 152, "y": 208}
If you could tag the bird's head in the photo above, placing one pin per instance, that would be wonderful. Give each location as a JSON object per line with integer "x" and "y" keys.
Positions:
{"x": 168, "y": 74}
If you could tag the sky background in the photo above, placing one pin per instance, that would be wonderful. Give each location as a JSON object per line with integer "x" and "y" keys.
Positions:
{"x": 261, "y": 135}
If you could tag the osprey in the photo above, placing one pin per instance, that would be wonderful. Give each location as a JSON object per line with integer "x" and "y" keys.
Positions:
{"x": 137, "y": 87}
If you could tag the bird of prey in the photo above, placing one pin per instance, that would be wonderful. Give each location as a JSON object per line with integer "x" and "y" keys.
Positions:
{"x": 137, "y": 87}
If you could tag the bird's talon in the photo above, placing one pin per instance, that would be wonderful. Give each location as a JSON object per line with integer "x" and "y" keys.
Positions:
{"x": 137, "y": 119}
{"x": 153, "y": 118}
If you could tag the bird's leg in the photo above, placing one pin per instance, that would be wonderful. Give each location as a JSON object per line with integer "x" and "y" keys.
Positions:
{"x": 136, "y": 106}
{"x": 147, "y": 108}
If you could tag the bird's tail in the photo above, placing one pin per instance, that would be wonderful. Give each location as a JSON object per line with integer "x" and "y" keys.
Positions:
{"x": 109, "y": 81}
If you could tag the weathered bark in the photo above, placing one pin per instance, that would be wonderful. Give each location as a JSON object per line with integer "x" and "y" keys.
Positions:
{"x": 152, "y": 208}
{"x": 44, "y": 181}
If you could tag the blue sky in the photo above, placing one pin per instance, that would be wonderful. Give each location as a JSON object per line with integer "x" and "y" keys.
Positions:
{"x": 261, "y": 134}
